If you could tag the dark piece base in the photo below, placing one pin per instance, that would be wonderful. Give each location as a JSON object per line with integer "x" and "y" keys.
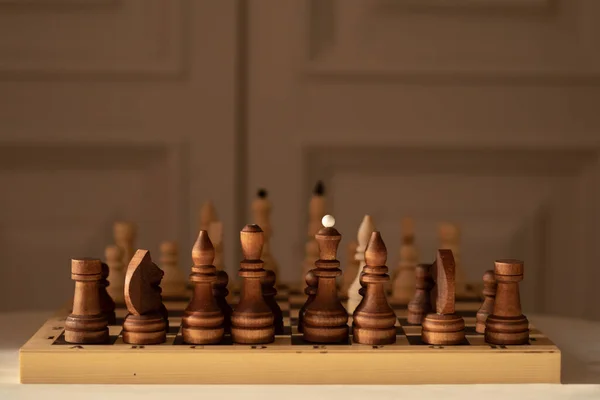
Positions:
{"x": 144, "y": 329}
{"x": 374, "y": 336}
{"x": 253, "y": 335}
{"x": 443, "y": 329}
{"x": 507, "y": 331}
{"x": 325, "y": 334}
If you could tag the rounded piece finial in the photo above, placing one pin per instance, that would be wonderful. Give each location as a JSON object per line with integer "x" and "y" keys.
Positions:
{"x": 328, "y": 221}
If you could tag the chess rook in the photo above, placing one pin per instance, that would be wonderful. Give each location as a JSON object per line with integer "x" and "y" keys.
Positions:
{"x": 252, "y": 321}
{"x": 147, "y": 321}
{"x": 374, "y": 320}
{"x": 507, "y": 325}
{"x": 220, "y": 292}
{"x": 325, "y": 319}
{"x": 203, "y": 320}
{"x": 489, "y": 293}
{"x": 86, "y": 323}
{"x": 269, "y": 292}
{"x": 444, "y": 327}
{"x": 420, "y": 305}
{"x": 311, "y": 292}
{"x": 173, "y": 284}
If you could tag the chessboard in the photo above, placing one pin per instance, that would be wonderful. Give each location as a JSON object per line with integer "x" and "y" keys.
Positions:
{"x": 47, "y": 358}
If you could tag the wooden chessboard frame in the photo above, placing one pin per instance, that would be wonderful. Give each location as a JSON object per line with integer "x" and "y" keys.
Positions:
{"x": 46, "y": 358}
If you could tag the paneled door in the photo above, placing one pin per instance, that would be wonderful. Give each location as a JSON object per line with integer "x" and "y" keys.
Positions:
{"x": 110, "y": 110}
{"x": 480, "y": 113}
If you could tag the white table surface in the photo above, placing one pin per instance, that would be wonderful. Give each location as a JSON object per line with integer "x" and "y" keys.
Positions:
{"x": 578, "y": 340}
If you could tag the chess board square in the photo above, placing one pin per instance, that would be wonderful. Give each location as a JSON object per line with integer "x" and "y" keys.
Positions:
{"x": 227, "y": 341}
{"x": 416, "y": 341}
{"x": 414, "y": 330}
{"x": 298, "y": 340}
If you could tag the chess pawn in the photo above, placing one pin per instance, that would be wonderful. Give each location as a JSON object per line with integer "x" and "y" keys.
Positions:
{"x": 325, "y": 319}
{"x": 173, "y": 284}
{"x": 208, "y": 214}
{"x": 252, "y": 319}
{"x": 489, "y": 293}
{"x": 374, "y": 320}
{"x": 86, "y": 323}
{"x": 116, "y": 276}
{"x": 269, "y": 292}
{"x": 403, "y": 289}
{"x": 311, "y": 292}
{"x": 203, "y": 319}
{"x": 350, "y": 270}
{"x": 145, "y": 324}
{"x": 106, "y": 302}
{"x": 420, "y": 305}
{"x": 444, "y": 327}
{"x": 125, "y": 234}
{"x": 312, "y": 255}
{"x": 220, "y": 292}
{"x": 507, "y": 325}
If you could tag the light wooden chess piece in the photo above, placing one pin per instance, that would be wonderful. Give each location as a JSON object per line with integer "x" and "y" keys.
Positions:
{"x": 403, "y": 289}
{"x": 444, "y": 327}
{"x": 449, "y": 235}
{"x": 215, "y": 232}
{"x": 364, "y": 233}
{"x": 125, "y": 235}
{"x": 351, "y": 269}
{"x": 116, "y": 275}
{"x": 261, "y": 209}
{"x": 374, "y": 320}
{"x": 316, "y": 211}
{"x": 173, "y": 284}
{"x": 208, "y": 214}
{"x": 146, "y": 322}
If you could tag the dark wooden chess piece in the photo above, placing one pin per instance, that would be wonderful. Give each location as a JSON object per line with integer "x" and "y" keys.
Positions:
{"x": 325, "y": 319}
{"x": 269, "y": 292}
{"x": 374, "y": 319}
{"x": 444, "y": 327}
{"x": 507, "y": 325}
{"x": 106, "y": 302}
{"x": 252, "y": 319}
{"x": 203, "y": 319}
{"x": 420, "y": 305}
{"x": 311, "y": 292}
{"x": 86, "y": 323}
{"x": 145, "y": 323}
{"x": 220, "y": 292}
{"x": 489, "y": 292}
